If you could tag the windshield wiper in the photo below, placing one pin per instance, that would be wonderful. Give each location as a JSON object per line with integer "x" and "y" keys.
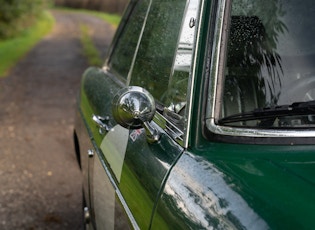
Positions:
{"x": 297, "y": 108}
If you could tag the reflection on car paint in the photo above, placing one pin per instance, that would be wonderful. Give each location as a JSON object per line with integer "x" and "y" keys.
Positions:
{"x": 114, "y": 147}
{"x": 104, "y": 198}
{"x": 204, "y": 195}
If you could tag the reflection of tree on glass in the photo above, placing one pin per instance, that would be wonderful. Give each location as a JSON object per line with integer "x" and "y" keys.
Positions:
{"x": 252, "y": 54}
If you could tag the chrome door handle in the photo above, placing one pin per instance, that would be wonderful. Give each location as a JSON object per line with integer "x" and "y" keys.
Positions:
{"x": 90, "y": 153}
{"x": 102, "y": 122}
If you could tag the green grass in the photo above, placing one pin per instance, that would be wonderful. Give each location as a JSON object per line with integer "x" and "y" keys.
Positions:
{"x": 89, "y": 49}
{"x": 112, "y": 19}
{"x": 12, "y": 50}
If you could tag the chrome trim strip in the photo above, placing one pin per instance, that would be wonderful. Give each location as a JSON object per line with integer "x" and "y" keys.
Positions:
{"x": 169, "y": 127}
{"x": 193, "y": 75}
{"x": 247, "y": 132}
{"x": 215, "y": 65}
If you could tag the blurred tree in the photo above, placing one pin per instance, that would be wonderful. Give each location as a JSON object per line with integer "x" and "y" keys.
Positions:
{"x": 15, "y": 15}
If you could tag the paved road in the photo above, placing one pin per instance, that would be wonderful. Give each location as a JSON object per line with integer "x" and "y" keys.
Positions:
{"x": 39, "y": 176}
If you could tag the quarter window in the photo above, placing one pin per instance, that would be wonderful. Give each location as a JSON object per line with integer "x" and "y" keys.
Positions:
{"x": 163, "y": 61}
{"x": 127, "y": 40}
{"x": 153, "y": 64}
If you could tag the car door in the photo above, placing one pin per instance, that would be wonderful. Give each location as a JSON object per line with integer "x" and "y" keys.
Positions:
{"x": 102, "y": 204}
{"x": 127, "y": 167}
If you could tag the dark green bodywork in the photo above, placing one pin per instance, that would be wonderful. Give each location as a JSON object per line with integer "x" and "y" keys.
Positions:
{"x": 275, "y": 181}
{"x": 210, "y": 184}
{"x": 145, "y": 166}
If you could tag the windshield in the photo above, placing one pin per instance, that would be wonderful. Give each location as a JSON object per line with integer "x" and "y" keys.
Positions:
{"x": 269, "y": 64}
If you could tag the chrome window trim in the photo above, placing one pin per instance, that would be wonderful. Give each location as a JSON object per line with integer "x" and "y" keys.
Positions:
{"x": 215, "y": 83}
{"x": 191, "y": 85}
{"x": 247, "y": 132}
{"x": 168, "y": 126}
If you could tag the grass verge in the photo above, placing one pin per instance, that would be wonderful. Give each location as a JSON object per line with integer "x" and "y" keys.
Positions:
{"x": 89, "y": 49}
{"x": 112, "y": 19}
{"x": 12, "y": 50}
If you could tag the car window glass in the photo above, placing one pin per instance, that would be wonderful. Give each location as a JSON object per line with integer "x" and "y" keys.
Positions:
{"x": 176, "y": 95}
{"x": 124, "y": 50}
{"x": 153, "y": 64}
{"x": 163, "y": 61}
{"x": 270, "y": 61}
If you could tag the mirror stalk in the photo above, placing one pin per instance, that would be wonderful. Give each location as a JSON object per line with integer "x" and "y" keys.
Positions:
{"x": 152, "y": 134}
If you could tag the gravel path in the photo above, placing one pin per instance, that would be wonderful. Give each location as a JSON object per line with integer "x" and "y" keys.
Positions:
{"x": 39, "y": 176}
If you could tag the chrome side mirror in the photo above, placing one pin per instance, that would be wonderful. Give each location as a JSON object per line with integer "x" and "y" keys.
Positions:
{"x": 134, "y": 107}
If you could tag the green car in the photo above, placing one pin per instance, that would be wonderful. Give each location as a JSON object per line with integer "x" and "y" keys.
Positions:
{"x": 202, "y": 117}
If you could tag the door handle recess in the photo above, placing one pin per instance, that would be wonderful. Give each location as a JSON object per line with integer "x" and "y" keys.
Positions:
{"x": 103, "y": 123}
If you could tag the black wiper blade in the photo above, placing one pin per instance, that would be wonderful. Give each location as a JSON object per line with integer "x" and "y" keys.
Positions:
{"x": 297, "y": 108}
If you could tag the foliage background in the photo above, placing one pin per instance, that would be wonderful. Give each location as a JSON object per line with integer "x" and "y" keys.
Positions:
{"x": 16, "y": 15}
{"x": 24, "y": 22}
